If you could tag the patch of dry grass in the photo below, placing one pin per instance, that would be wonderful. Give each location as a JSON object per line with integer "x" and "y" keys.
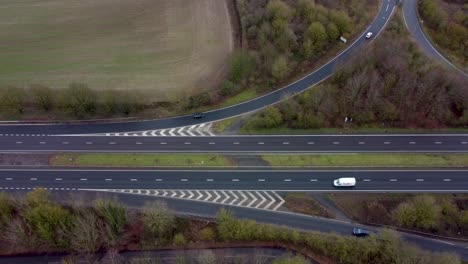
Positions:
{"x": 165, "y": 47}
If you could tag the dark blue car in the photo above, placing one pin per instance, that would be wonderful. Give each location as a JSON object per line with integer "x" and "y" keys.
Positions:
{"x": 359, "y": 232}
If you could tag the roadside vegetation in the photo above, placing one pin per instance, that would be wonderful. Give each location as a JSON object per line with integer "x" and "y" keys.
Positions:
{"x": 283, "y": 39}
{"x": 446, "y": 21}
{"x": 139, "y": 160}
{"x": 389, "y": 84}
{"x": 37, "y": 224}
{"x": 440, "y": 214}
{"x": 305, "y": 204}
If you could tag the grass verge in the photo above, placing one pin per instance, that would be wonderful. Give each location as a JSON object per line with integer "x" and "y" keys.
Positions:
{"x": 220, "y": 126}
{"x": 360, "y": 130}
{"x": 305, "y": 204}
{"x": 407, "y": 160}
{"x": 139, "y": 160}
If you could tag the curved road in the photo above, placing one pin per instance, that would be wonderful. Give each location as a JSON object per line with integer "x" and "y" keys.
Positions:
{"x": 412, "y": 23}
{"x": 299, "y": 86}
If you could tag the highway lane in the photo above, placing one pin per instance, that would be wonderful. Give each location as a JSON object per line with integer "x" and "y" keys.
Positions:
{"x": 243, "y": 144}
{"x": 290, "y": 90}
{"x": 413, "y": 24}
{"x": 278, "y": 180}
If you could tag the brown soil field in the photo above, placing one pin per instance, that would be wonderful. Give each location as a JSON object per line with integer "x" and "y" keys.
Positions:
{"x": 161, "y": 48}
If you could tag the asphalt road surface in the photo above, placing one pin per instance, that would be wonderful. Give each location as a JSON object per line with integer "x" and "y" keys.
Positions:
{"x": 413, "y": 24}
{"x": 279, "y": 180}
{"x": 240, "y": 144}
{"x": 290, "y": 90}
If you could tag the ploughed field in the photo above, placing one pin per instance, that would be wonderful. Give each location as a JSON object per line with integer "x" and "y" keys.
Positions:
{"x": 162, "y": 48}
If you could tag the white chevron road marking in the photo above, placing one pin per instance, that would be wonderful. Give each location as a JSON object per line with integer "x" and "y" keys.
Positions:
{"x": 171, "y": 132}
{"x": 265, "y": 200}
{"x": 217, "y": 196}
{"x": 271, "y": 199}
{"x": 201, "y": 130}
{"x": 254, "y": 199}
{"x": 262, "y": 198}
{"x": 282, "y": 201}
{"x": 244, "y": 198}
{"x": 227, "y": 197}
{"x": 235, "y": 197}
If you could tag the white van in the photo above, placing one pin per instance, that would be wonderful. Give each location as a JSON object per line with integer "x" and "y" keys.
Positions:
{"x": 344, "y": 182}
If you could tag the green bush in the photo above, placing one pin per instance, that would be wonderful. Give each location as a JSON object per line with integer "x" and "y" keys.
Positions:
{"x": 242, "y": 66}
{"x": 422, "y": 212}
{"x": 43, "y": 96}
{"x": 159, "y": 222}
{"x": 12, "y": 100}
{"x": 79, "y": 99}
{"x": 179, "y": 240}
{"x": 114, "y": 214}
{"x": 51, "y": 223}
{"x": 207, "y": 234}
{"x": 38, "y": 197}
{"x": 7, "y": 208}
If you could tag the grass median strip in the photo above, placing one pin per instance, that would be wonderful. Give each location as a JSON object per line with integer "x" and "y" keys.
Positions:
{"x": 140, "y": 160}
{"x": 381, "y": 160}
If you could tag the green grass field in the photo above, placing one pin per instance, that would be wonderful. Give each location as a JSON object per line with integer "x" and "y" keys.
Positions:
{"x": 165, "y": 47}
{"x": 387, "y": 160}
{"x": 139, "y": 160}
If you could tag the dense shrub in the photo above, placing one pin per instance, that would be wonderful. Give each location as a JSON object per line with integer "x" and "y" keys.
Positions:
{"x": 449, "y": 30}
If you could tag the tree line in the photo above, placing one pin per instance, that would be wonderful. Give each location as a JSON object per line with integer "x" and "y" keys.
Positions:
{"x": 389, "y": 83}
{"x": 450, "y": 30}
{"x": 77, "y": 100}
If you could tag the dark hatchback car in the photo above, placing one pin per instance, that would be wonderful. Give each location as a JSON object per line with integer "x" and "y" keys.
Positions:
{"x": 359, "y": 232}
{"x": 198, "y": 116}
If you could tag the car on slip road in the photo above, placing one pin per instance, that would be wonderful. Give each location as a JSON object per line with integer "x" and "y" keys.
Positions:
{"x": 359, "y": 232}
{"x": 198, "y": 115}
